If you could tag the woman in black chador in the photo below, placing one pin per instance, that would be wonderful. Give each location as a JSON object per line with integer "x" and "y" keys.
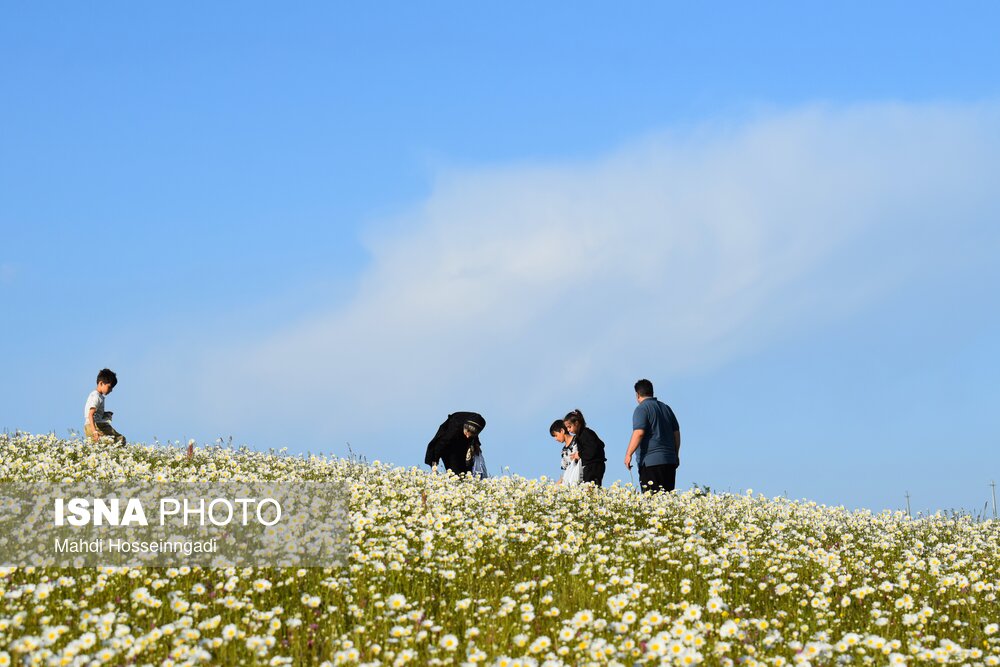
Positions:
{"x": 456, "y": 442}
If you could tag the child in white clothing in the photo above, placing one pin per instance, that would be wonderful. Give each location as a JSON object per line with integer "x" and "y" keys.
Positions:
{"x": 97, "y": 421}
{"x": 570, "y": 457}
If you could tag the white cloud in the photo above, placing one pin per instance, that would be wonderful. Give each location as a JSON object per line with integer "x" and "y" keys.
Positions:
{"x": 510, "y": 285}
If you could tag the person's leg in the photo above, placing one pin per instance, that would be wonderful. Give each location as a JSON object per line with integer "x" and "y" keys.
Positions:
{"x": 588, "y": 473}
{"x": 594, "y": 473}
{"x": 669, "y": 477}
{"x": 659, "y": 478}
{"x": 108, "y": 431}
{"x": 119, "y": 438}
{"x": 645, "y": 479}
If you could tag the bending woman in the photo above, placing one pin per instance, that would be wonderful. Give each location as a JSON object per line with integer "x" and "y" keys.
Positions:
{"x": 589, "y": 446}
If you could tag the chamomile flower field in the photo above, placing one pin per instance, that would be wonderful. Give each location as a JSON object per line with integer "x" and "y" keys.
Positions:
{"x": 514, "y": 571}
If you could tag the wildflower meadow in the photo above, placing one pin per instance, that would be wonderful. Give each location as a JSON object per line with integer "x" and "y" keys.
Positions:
{"x": 514, "y": 571}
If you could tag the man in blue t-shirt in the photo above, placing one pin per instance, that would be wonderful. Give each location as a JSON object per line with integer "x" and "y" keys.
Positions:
{"x": 657, "y": 436}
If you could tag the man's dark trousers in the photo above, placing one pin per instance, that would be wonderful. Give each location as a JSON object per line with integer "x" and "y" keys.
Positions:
{"x": 658, "y": 478}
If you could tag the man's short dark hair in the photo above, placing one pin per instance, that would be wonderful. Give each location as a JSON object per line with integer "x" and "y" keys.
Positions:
{"x": 557, "y": 426}
{"x": 107, "y": 376}
{"x": 644, "y": 388}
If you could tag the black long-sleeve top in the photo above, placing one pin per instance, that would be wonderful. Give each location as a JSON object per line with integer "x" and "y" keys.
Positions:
{"x": 450, "y": 444}
{"x": 589, "y": 446}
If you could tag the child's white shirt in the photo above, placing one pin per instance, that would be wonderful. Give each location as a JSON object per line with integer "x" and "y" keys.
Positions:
{"x": 95, "y": 400}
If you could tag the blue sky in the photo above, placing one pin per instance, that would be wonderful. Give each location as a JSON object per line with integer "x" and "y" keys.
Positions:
{"x": 325, "y": 224}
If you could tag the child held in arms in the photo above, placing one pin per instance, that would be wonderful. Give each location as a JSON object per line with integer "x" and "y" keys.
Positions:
{"x": 97, "y": 422}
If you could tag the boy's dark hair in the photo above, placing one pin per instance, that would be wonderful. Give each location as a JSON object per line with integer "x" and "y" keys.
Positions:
{"x": 576, "y": 419}
{"x": 557, "y": 425}
{"x": 107, "y": 376}
{"x": 644, "y": 388}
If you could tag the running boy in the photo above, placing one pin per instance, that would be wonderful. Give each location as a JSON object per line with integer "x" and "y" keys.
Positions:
{"x": 97, "y": 422}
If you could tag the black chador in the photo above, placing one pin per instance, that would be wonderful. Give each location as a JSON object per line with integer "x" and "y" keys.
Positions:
{"x": 455, "y": 442}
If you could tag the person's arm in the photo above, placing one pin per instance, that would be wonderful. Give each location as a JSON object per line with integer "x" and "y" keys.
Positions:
{"x": 433, "y": 454}
{"x": 633, "y": 445}
{"x": 584, "y": 447}
{"x": 677, "y": 429}
{"x": 92, "y": 423}
{"x": 574, "y": 450}
{"x": 640, "y": 421}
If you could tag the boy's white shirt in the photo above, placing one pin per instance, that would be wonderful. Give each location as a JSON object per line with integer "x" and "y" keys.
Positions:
{"x": 95, "y": 400}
